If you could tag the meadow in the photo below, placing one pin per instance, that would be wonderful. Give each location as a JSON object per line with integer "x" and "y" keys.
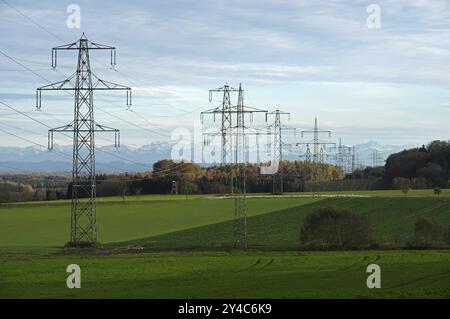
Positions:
{"x": 182, "y": 247}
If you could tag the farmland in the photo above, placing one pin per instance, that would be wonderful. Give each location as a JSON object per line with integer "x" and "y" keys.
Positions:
{"x": 185, "y": 249}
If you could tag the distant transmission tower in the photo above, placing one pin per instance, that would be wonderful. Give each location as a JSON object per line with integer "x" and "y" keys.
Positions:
{"x": 344, "y": 157}
{"x": 225, "y": 112}
{"x": 319, "y": 147}
{"x": 376, "y": 160}
{"x": 240, "y": 200}
{"x": 83, "y": 83}
{"x": 359, "y": 164}
{"x": 278, "y": 128}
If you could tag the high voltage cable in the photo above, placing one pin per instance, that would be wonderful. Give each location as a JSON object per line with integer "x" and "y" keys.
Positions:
{"x": 112, "y": 115}
{"x": 112, "y": 154}
{"x": 42, "y": 123}
{"x": 47, "y": 126}
{"x": 107, "y": 112}
{"x": 117, "y": 71}
{"x": 100, "y": 109}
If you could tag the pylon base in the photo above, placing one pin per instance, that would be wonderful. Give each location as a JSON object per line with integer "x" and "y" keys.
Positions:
{"x": 82, "y": 244}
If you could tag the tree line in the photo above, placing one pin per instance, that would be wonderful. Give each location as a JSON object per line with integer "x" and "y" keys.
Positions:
{"x": 417, "y": 168}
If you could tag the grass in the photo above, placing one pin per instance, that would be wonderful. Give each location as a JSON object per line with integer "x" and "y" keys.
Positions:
{"x": 49, "y": 225}
{"x": 236, "y": 275}
{"x": 156, "y": 197}
{"x": 392, "y": 220}
{"x": 32, "y": 265}
{"x": 387, "y": 193}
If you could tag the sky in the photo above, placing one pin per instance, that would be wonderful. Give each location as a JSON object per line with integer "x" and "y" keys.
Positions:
{"x": 311, "y": 58}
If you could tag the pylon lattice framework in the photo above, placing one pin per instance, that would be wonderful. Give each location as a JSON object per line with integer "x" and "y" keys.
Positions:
{"x": 319, "y": 147}
{"x": 376, "y": 159}
{"x": 83, "y": 127}
{"x": 278, "y": 128}
{"x": 238, "y": 131}
{"x": 344, "y": 157}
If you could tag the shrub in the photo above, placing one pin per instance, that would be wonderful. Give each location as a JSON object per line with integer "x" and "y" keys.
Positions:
{"x": 437, "y": 191}
{"x": 427, "y": 233}
{"x": 333, "y": 229}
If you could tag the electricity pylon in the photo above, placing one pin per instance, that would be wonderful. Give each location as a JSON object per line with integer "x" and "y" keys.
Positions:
{"x": 239, "y": 187}
{"x": 225, "y": 112}
{"x": 376, "y": 160}
{"x": 319, "y": 147}
{"x": 344, "y": 157}
{"x": 278, "y": 128}
{"x": 83, "y": 83}
{"x": 237, "y": 130}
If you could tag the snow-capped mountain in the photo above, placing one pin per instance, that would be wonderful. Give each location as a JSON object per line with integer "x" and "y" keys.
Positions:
{"x": 108, "y": 159}
{"x": 372, "y": 152}
{"x": 138, "y": 159}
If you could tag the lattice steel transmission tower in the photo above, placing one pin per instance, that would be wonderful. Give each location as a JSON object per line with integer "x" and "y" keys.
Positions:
{"x": 376, "y": 159}
{"x": 344, "y": 157}
{"x": 225, "y": 112}
{"x": 240, "y": 200}
{"x": 235, "y": 131}
{"x": 83, "y": 83}
{"x": 319, "y": 147}
{"x": 278, "y": 128}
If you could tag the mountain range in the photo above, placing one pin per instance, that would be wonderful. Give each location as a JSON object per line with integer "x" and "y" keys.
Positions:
{"x": 138, "y": 159}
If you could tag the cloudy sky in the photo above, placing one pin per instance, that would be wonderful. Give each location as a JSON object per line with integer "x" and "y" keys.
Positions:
{"x": 310, "y": 58}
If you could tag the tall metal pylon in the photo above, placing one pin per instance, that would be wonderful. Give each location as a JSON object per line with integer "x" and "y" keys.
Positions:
{"x": 319, "y": 147}
{"x": 83, "y": 83}
{"x": 344, "y": 157}
{"x": 278, "y": 128}
{"x": 225, "y": 112}
{"x": 235, "y": 130}
{"x": 376, "y": 160}
{"x": 240, "y": 200}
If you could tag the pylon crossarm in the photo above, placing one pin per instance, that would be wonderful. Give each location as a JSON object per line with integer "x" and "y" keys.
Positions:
{"x": 212, "y": 134}
{"x": 211, "y": 111}
{"x": 60, "y": 85}
{"x": 107, "y": 85}
{"x": 222, "y": 89}
{"x": 64, "y": 128}
{"x": 104, "y": 128}
{"x": 103, "y": 85}
{"x": 306, "y": 143}
{"x": 90, "y": 45}
{"x": 66, "y": 84}
{"x": 70, "y": 46}
{"x": 248, "y": 109}
{"x": 312, "y": 131}
{"x": 83, "y": 44}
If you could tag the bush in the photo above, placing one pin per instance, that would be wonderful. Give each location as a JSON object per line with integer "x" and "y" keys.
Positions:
{"x": 437, "y": 191}
{"x": 427, "y": 233}
{"x": 334, "y": 229}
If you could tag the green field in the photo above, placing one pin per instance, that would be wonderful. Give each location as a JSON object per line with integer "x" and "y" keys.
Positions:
{"x": 186, "y": 249}
{"x": 232, "y": 275}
